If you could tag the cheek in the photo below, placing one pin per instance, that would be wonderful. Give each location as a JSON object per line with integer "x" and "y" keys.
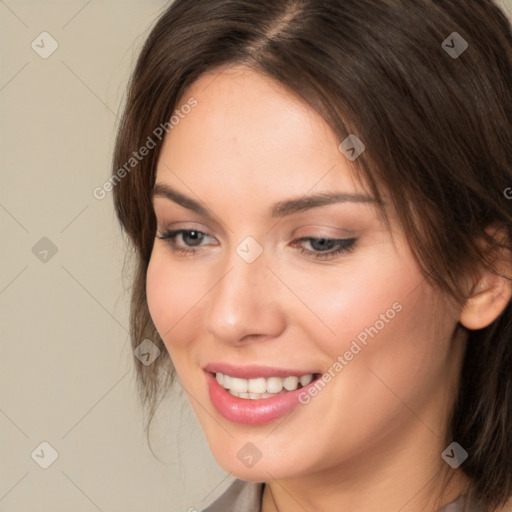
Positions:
{"x": 170, "y": 296}
{"x": 385, "y": 324}
{"x": 399, "y": 358}
{"x": 158, "y": 293}
{"x": 353, "y": 301}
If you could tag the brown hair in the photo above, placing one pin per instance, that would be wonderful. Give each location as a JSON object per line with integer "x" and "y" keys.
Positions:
{"x": 438, "y": 134}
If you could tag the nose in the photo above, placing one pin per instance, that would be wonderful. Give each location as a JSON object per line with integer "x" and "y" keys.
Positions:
{"x": 245, "y": 303}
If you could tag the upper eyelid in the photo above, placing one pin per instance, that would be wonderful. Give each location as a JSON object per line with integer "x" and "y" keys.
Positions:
{"x": 347, "y": 232}
{"x": 180, "y": 231}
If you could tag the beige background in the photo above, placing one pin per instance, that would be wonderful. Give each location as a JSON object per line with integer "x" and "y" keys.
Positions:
{"x": 66, "y": 365}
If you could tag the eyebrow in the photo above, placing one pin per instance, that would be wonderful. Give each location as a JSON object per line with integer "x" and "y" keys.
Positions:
{"x": 279, "y": 209}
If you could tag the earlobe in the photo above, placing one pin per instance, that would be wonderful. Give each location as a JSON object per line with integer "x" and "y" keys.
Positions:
{"x": 490, "y": 293}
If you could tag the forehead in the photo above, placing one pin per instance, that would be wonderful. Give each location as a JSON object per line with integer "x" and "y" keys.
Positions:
{"x": 250, "y": 131}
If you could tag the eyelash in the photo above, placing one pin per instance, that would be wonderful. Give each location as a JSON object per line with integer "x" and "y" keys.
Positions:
{"x": 345, "y": 245}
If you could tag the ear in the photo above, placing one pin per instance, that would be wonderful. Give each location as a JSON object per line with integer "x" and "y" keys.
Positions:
{"x": 490, "y": 292}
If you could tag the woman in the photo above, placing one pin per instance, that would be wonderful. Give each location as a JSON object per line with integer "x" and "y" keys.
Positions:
{"x": 320, "y": 206}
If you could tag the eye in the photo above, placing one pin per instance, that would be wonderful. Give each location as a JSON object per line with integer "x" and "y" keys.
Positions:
{"x": 322, "y": 248}
{"x": 190, "y": 237}
{"x": 326, "y": 248}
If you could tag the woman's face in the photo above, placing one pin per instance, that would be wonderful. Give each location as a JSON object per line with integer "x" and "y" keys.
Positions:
{"x": 279, "y": 284}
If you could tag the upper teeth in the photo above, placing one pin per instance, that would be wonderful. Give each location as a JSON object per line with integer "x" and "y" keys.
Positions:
{"x": 261, "y": 384}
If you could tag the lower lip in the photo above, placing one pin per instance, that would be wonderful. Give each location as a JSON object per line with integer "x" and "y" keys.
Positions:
{"x": 252, "y": 412}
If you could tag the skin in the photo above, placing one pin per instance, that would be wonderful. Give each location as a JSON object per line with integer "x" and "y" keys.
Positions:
{"x": 371, "y": 439}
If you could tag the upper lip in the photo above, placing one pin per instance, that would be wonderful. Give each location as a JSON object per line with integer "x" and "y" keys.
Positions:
{"x": 254, "y": 371}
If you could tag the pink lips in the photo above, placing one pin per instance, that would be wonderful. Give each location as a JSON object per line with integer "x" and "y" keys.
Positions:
{"x": 247, "y": 411}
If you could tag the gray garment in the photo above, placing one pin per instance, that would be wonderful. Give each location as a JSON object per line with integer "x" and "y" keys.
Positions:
{"x": 242, "y": 496}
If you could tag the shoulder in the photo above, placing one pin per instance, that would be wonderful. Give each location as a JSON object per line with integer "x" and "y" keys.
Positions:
{"x": 462, "y": 504}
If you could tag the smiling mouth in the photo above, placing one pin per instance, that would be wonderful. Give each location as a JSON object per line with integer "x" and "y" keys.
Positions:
{"x": 261, "y": 387}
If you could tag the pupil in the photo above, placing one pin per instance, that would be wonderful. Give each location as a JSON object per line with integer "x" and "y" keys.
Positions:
{"x": 322, "y": 244}
{"x": 194, "y": 236}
